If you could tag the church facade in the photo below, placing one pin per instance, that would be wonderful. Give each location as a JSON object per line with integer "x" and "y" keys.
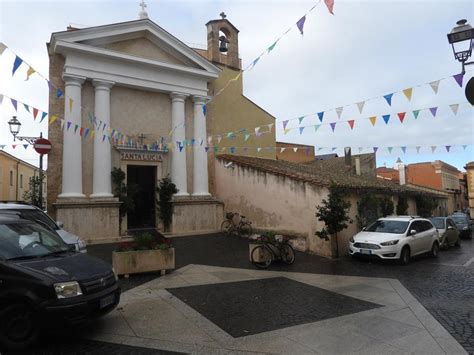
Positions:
{"x": 134, "y": 97}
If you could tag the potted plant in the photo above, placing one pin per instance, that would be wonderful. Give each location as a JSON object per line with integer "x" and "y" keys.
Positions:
{"x": 147, "y": 252}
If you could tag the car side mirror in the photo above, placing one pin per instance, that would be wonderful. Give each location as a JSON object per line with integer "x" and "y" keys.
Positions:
{"x": 450, "y": 228}
{"x": 60, "y": 224}
{"x": 412, "y": 232}
{"x": 364, "y": 228}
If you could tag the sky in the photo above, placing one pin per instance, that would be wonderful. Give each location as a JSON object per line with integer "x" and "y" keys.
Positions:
{"x": 366, "y": 50}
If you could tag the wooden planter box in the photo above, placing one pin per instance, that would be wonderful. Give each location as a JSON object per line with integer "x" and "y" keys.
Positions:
{"x": 132, "y": 262}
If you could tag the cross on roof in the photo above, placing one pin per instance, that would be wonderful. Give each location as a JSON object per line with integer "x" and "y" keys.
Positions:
{"x": 141, "y": 136}
{"x": 143, "y": 5}
{"x": 223, "y": 15}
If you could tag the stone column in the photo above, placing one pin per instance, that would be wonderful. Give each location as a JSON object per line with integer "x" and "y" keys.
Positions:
{"x": 178, "y": 158}
{"x": 72, "y": 147}
{"x": 200, "y": 174}
{"x": 102, "y": 185}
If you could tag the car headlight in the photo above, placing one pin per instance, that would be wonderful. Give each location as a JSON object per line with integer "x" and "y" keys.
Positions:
{"x": 81, "y": 243}
{"x": 391, "y": 242}
{"x": 466, "y": 228}
{"x": 351, "y": 240}
{"x": 67, "y": 289}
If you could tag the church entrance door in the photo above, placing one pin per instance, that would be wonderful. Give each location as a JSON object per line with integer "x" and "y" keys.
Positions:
{"x": 144, "y": 178}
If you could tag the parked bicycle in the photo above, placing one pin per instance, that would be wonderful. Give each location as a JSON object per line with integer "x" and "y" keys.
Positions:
{"x": 270, "y": 249}
{"x": 241, "y": 227}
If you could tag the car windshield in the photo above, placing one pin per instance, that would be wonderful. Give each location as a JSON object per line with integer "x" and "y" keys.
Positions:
{"x": 438, "y": 223}
{"x": 459, "y": 219}
{"x": 381, "y": 226}
{"x": 28, "y": 240}
{"x": 37, "y": 215}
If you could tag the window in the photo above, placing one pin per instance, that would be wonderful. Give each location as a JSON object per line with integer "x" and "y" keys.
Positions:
{"x": 11, "y": 178}
{"x": 451, "y": 224}
{"x": 21, "y": 181}
{"x": 438, "y": 222}
{"x": 416, "y": 226}
{"x": 426, "y": 225}
{"x": 383, "y": 226}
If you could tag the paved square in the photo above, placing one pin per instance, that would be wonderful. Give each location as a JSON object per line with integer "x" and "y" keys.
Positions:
{"x": 256, "y": 306}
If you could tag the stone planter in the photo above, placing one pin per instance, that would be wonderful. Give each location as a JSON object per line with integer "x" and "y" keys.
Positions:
{"x": 137, "y": 261}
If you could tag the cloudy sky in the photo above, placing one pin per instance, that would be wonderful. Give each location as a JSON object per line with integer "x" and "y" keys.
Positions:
{"x": 368, "y": 49}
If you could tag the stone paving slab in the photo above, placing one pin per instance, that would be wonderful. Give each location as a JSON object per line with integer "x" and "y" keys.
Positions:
{"x": 150, "y": 316}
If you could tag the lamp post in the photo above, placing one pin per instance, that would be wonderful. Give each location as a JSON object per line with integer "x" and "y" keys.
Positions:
{"x": 15, "y": 126}
{"x": 461, "y": 39}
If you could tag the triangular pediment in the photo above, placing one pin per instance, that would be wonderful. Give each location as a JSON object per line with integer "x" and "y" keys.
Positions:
{"x": 143, "y": 39}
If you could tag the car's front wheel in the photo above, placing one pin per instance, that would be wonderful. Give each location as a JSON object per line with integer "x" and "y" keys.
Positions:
{"x": 434, "y": 250}
{"x": 405, "y": 256}
{"x": 18, "y": 328}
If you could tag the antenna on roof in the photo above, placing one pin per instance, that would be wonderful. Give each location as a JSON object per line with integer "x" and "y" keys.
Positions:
{"x": 142, "y": 14}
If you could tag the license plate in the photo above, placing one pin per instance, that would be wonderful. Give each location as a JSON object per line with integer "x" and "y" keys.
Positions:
{"x": 107, "y": 301}
{"x": 366, "y": 251}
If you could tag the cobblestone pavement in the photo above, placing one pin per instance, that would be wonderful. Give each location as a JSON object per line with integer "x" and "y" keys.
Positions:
{"x": 445, "y": 286}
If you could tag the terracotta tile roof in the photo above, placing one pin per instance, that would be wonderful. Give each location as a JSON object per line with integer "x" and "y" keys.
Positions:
{"x": 339, "y": 163}
{"x": 316, "y": 176}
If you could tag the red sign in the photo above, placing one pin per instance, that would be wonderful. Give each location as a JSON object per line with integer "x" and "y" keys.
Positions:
{"x": 42, "y": 146}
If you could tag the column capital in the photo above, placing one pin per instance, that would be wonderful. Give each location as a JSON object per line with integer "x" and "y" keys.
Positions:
{"x": 199, "y": 100}
{"x": 73, "y": 80}
{"x": 102, "y": 84}
{"x": 178, "y": 96}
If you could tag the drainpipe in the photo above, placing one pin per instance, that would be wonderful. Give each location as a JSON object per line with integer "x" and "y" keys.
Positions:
{"x": 17, "y": 163}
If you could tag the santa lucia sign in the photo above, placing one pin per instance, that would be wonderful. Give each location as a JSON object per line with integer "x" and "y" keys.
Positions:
{"x": 141, "y": 156}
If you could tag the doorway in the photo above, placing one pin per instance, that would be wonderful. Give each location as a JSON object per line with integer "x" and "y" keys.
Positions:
{"x": 144, "y": 178}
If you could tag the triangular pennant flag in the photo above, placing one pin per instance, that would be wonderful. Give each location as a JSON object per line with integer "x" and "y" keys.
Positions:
{"x": 3, "y": 145}
{"x": 59, "y": 93}
{"x": 204, "y": 110}
{"x": 300, "y": 119}
{"x": 375, "y": 149}
{"x": 2, "y": 48}
{"x": 270, "y": 126}
{"x": 407, "y": 93}
{"x": 62, "y": 123}
{"x": 1, "y": 99}
{"x": 373, "y": 119}
{"x": 43, "y": 116}
{"x": 435, "y": 86}
{"x": 30, "y": 72}
{"x": 286, "y": 130}
{"x": 206, "y": 149}
{"x": 333, "y": 148}
{"x": 103, "y": 137}
{"x": 285, "y": 123}
{"x": 415, "y": 113}
{"x": 295, "y": 149}
{"x": 219, "y": 138}
{"x": 27, "y": 108}
{"x": 418, "y": 149}
{"x": 389, "y": 149}
{"x": 316, "y": 127}
{"x": 269, "y": 49}
{"x": 258, "y": 149}
{"x": 433, "y": 148}
{"x": 464, "y": 147}
{"x": 404, "y": 149}
{"x": 454, "y": 108}
{"x": 254, "y": 63}
{"x": 386, "y": 118}
{"x": 388, "y": 97}
{"x": 35, "y": 113}
{"x": 448, "y": 147}
{"x": 86, "y": 133}
{"x": 333, "y": 125}
{"x": 216, "y": 149}
{"x": 300, "y": 24}
{"x": 69, "y": 123}
{"x": 433, "y": 111}
{"x": 14, "y": 103}
{"x": 320, "y": 116}
{"x": 401, "y": 116}
{"x": 16, "y": 64}
{"x": 360, "y": 149}
{"x": 301, "y": 130}
{"x": 360, "y": 106}
{"x": 330, "y": 5}
{"x": 180, "y": 146}
{"x": 232, "y": 150}
{"x": 246, "y": 138}
{"x": 13, "y": 146}
{"x": 53, "y": 119}
{"x": 458, "y": 78}
{"x": 282, "y": 150}
{"x": 339, "y": 111}
{"x": 76, "y": 127}
{"x": 25, "y": 146}
{"x": 351, "y": 123}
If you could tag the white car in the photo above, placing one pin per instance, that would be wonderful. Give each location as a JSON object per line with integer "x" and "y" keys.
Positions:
{"x": 396, "y": 237}
{"x": 35, "y": 214}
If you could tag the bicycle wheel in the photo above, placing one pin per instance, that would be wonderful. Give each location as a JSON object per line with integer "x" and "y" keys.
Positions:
{"x": 287, "y": 254}
{"x": 261, "y": 257}
{"x": 245, "y": 230}
{"x": 227, "y": 227}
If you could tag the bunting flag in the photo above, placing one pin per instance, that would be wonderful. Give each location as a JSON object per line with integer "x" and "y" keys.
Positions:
{"x": 62, "y": 123}
{"x": 269, "y": 49}
{"x": 404, "y": 149}
{"x": 386, "y": 118}
{"x": 454, "y": 108}
{"x": 254, "y": 63}
{"x": 333, "y": 126}
{"x": 464, "y": 147}
{"x": 180, "y": 146}
{"x": 43, "y": 116}
{"x": 316, "y": 127}
{"x": 458, "y": 78}
{"x": 418, "y": 149}
{"x": 285, "y": 123}
{"x": 14, "y": 103}
{"x": 448, "y": 147}
{"x": 35, "y": 113}
{"x": 435, "y": 86}
{"x": 373, "y": 119}
{"x": 1, "y": 99}
{"x": 209, "y": 140}
{"x": 351, "y": 123}
{"x": 219, "y": 138}
{"x": 59, "y": 93}
{"x": 433, "y": 148}
{"x": 2, "y": 47}
{"x": 300, "y": 24}
{"x": 206, "y": 149}
{"x": 246, "y": 138}
{"x": 27, "y": 108}
{"x": 433, "y": 111}
{"x": 300, "y": 119}
{"x": 401, "y": 116}
{"x": 257, "y": 132}
{"x": 30, "y": 72}
{"x": 388, "y": 97}
{"x": 16, "y": 64}
{"x": 232, "y": 150}
{"x": 360, "y": 106}
{"x": 375, "y": 149}
{"x": 407, "y": 93}
{"x": 25, "y": 146}
{"x": 339, "y": 111}
{"x": 76, "y": 126}
{"x": 333, "y": 149}
{"x": 360, "y": 149}
{"x": 330, "y": 6}
{"x": 3, "y": 145}
{"x": 204, "y": 110}
{"x": 301, "y": 130}
{"x": 282, "y": 150}
{"x": 295, "y": 149}
{"x": 259, "y": 149}
{"x": 270, "y": 126}
{"x": 69, "y": 126}
{"x": 103, "y": 137}
{"x": 286, "y": 130}
{"x": 13, "y": 146}
{"x": 389, "y": 150}
{"x": 320, "y": 116}
{"x": 416, "y": 113}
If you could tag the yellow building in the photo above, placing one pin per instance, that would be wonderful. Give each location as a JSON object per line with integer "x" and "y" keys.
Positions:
{"x": 15, "y": 175}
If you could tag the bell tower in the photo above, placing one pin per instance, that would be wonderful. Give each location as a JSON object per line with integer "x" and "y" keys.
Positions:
{"x": 223, "y": 42}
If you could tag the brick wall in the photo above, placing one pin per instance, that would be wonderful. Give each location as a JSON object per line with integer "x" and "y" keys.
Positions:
{"x": 424, "y": 175}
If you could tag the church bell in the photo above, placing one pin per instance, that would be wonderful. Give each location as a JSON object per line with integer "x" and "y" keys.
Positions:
{"x": 223, "y": 43}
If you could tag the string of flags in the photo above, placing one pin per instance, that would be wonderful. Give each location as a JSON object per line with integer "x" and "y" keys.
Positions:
{"x": 13, "y": 146}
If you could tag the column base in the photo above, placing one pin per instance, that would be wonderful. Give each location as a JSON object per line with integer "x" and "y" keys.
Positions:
{"x": 181, "y": 194}
{"x": 101, "y": 195}
{"x": 71, "y": 195}
{"x": 202, "y": 194}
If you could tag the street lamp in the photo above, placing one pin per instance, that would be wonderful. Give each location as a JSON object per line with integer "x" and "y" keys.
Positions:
{"x": 14, "y": 126}
{"x": 461, "y": 39}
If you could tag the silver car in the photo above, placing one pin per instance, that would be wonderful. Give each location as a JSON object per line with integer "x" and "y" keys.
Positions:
{"x": 35, "y": 214}
{"x": 448, "y": 232}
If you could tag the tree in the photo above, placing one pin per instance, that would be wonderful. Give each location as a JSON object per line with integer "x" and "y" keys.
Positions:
{"x": 402, "y": 205}
{"x": 166, "y": 189}
{"x": 367, "y": 210}
{"x": 425, "y": 205}
{"x": 334, "y": 213}
{"x": 386, "y": 206}
{"x": 32, "y": 195}
{"x": 125, "y": 193}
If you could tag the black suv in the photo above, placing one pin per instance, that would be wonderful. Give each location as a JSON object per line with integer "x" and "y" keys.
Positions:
{"x": 44, "y": 284}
